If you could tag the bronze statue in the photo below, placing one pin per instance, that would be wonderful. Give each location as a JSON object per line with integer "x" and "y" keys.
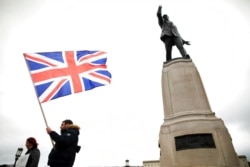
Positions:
{"x": 170, "y": 36}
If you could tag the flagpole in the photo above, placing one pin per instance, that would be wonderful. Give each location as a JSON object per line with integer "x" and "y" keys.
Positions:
{"x": 45, "y": 120}
{"x": 46, "y": 123}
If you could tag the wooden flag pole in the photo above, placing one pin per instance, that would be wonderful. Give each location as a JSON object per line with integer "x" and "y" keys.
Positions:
{"x": 46, "y": 123}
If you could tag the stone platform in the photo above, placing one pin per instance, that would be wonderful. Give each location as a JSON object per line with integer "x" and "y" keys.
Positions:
{"x": 191, "y": 135}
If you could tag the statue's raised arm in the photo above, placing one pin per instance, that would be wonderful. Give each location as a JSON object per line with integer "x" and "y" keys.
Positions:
{"x": 159, "y": 15}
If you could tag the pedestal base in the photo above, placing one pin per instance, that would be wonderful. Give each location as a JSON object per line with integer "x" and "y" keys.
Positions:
{"x": 191, "y": 134}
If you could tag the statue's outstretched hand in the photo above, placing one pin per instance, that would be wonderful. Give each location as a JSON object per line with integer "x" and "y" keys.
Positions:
{"x": 186, "y": 42}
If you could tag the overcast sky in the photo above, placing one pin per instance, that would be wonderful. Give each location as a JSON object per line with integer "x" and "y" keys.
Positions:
{"x": 122, "y": 120}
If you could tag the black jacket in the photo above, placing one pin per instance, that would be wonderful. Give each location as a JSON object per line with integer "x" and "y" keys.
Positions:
{"x": 66, "y": 145}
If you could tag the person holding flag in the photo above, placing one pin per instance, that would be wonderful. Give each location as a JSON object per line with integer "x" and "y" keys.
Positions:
{"x": 66, "y": 145}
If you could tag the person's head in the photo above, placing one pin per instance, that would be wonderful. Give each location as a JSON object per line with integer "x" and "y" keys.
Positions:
{"x": 31, "y": 143}
{"x": 66, "y": 123}
{"x": 165, "y": 17}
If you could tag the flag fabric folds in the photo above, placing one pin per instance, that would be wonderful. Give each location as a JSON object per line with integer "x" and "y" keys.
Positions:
{"x": 58, "y": 74}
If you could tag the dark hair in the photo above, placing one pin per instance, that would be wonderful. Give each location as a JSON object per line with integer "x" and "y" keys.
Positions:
{"x": 68, "y": 121}
{"x": 32, "y": 140}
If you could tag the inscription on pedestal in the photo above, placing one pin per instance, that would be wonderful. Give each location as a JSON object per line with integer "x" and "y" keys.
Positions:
{"x": 193, "y": 141}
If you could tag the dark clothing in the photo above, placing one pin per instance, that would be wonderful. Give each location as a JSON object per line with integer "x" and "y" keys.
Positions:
{"x": 170, "y": 36}
{"x": 34, "y": 157}
{"x": 64, "y": 152}
{"x": 169, "y": 42}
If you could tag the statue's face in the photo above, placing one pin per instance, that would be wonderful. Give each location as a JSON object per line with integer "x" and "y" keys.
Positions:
{"x": 165, "y": 17}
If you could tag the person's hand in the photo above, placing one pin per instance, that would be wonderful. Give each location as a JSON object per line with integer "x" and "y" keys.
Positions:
{"x": 187, "y": 42}
{"x": 48, "y": 130}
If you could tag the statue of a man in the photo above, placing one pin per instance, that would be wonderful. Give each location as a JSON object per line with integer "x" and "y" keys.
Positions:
{"x": 170, "y": 36}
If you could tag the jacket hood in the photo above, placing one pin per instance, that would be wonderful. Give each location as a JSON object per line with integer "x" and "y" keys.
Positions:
{"x": 73, "y": 126}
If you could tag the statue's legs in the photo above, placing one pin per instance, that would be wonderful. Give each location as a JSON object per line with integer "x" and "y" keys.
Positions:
{"x": 168, "y": 45}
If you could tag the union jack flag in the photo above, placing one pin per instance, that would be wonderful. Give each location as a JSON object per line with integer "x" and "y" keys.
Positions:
{"x": 58, "y": 74}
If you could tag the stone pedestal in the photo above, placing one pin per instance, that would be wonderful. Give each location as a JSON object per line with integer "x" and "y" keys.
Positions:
{"x": 191, "y": 134}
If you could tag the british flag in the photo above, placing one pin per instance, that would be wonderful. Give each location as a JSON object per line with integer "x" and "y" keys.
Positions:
{"x": 58, "y": 74}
